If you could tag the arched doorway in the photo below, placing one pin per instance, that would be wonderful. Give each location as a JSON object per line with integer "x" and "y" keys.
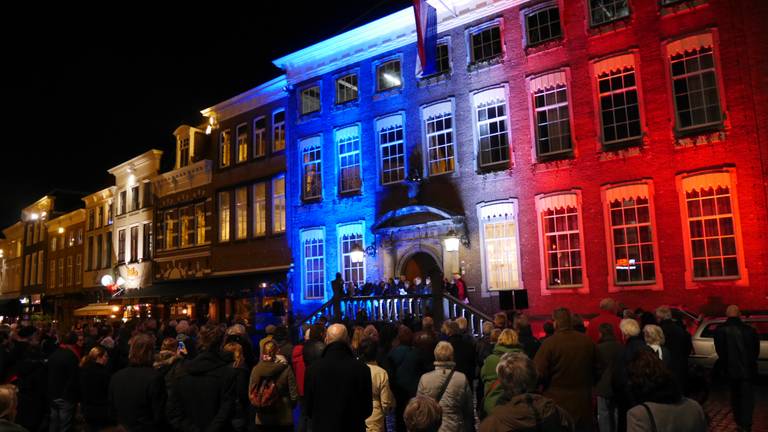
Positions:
{"x": 422, "y": 264}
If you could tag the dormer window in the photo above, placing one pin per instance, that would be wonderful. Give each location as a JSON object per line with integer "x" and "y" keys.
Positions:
{"x": 183, "y": 151}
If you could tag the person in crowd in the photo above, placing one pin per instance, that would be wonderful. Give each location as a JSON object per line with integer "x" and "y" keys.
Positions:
{"x": 520, "y": 408}
{"x": 653, "y": 336}
{"x": 203, "y": 394}
{"x": 273, "y": 370}
{"x": 461, "y": 288}
{"x": 549, "y": 330}
{"x": 299, "y": 369}
{"x": 463, "y": 350}
{"x": 63, "y": 383}
{"x": 607, "y": 315}
{"x": 566, "y": 363}
{"x": 94, "y": 388}
{"x": 578, "y": 323}
{"x": 484, "y": 347}
{"x": 237, "y": 333}
{"x": 423, "y": 414}
{"x": 451, "y": 389}
{"x": 338, "y": 388}
{"x": 269, "y": 334}
{"x": 137, "y": 392}
{"x": 738, "y": 347}
{"x": 8, "y": 406}
{"x": 242, "y": 404}
{"x": 284, "y": 345}
{"x": 495, "y": 333}
{"x": 633, "y": 344}
{"x": 314, "y": 347}
{"x": 337, "y": 285}
{"x": 500, "y": 320}
{"x": 492, "y": 390}
{"x": 184, "y": 335}
{"x": 406, "y": 366}
{"x": 525, "y": 335}
{"x": 357, "y": 338}
{"x": 383, "y": 399}
{"x": 678, "y": 341}
{"x": 168, "y": 356}
{"x": 28, "y": 372}
{"x": 662, "y": 406}
{"x": 609, "y": 350}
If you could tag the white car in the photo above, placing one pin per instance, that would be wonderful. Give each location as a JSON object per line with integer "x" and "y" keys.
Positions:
{"x": 704, "y": 353}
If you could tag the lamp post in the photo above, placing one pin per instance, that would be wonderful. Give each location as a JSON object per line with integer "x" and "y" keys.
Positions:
{"x": 451, "y": 241}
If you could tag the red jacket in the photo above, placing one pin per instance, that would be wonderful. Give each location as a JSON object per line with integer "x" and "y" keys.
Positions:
{"x": 593, "y": 331}
{"x": 297, "y": 361}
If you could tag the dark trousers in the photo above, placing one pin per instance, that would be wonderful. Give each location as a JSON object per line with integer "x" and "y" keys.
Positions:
{"x": 742, "y": 402}
{"x": 62, "y": 412}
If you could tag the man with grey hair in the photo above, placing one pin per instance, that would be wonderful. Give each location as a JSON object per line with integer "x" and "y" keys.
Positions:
{"x": 678, "y": 342}
{"x": 337, "y": 388}
{"x": 520, "y": 409}
{"x": 738, "y": 348}
{"x": 607, "y": 315}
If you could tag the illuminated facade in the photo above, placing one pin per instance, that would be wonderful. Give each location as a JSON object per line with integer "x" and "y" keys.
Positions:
{"x": 64, "y": 265}
{"x": 99, "y": 254}
{"x": 575, "y": 152}
{"x": 10, "y": 289}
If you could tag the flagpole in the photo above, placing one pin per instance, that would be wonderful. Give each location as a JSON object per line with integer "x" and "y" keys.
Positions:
{"x": 450, "y": 9}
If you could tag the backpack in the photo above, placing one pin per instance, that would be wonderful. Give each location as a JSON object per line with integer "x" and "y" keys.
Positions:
{"x": 265, "y": 395}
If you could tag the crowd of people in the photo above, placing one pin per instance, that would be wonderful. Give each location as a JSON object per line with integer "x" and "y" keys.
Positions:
{"x": 621, "y": 371}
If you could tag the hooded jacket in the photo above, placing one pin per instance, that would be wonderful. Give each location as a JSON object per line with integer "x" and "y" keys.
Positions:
{"x": 281, "y": 413}
{"x": 202, "y": 395}
{"x": 488, "y": 374}
{"x": 527, "y": 413}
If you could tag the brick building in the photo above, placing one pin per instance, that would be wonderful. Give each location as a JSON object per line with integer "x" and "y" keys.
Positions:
{"x": 99, "y": 252}
{"x": 607, "y": 148}
{"x": 65, "y": 259}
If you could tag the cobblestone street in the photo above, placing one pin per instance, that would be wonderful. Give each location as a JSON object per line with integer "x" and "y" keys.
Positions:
{"x": 718, "y": 408}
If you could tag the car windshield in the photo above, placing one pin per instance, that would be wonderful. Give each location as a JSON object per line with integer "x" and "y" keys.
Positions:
{"x": 760, "y": 325}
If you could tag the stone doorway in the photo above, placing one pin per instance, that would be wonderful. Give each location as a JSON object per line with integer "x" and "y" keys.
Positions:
{"x": 423, "y": 265}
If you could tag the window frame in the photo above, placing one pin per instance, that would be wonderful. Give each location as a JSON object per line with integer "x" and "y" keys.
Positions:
{"x": 220, "y": 205}
{"x": 275, "y": 125}
{"x": 337, "y": 164}
{"x": 304, "y": 144}
{"x": 256, "y": 225}
{"x": 484, "y": 260}
{"x": 379, "y": 64}
{"x": 497, "y": 166}
{"x": 591, "y": 22}
{"x": 303, "y": 237}
{"x": 500, "y": 58}
{"x": 301, "y": 93}
{"x": 225, "y": 149}
{"x": 242, "y": 146}
{"x": 379, "y": 149}
{"x": 261, "y": 134}
{"x": 533, "y": 10}
{"x": 562, "y": 155}
{"x": 338, "y": 78}
{"x": 274, "y": 206}
{"x": 425, "y": 135}
{"x": 241, "y": 214}
{"x": 340, "y": 250}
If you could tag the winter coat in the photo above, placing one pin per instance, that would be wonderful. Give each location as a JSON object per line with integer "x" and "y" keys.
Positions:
{"x": 738, "y": 348}
{"x": 202, "y": 395}
{"x": 492, "y": 390}
{"x": 137, "y": 398}
{"x": 684, "y": 416}
{"x": 313, "y": 350}
{"x": 338, "y": 391}
{"x": 566, "y": 363}
{"x": 621, "y": 391}
{"x": 281, "y": 413}
{"x": 297, "y": 362}
{"x": 608, "y": 353}
{"x": 29, "y": 374}
{"x": 383, "y": 400}
{"x": 94, "y": 392}
{"x": 678, "y": 341}
{"x": 456, "y": 401}
{"x": 605, "y": 317}
{"x": 405, "y": 370}
{"x": 464, "y": 355}
{"x": 63, "y": 369}
{"x": 527, "y": 413}
{"x": 529, "y": 342}
{"x": 6, "y": 426}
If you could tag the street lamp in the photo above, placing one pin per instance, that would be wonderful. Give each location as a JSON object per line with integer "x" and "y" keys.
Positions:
{"x": 451, "y": 241}
{"x": 357, "y": 254}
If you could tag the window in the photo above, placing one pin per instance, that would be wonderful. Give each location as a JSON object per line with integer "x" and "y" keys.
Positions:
{"x": 278, "y": 204}
{"x": 108, "y": 261}
{"x": 259, "y": 137}
{"x": 183, "y": 153}
{"x": 52, "y": 274}
{"x": 60, "y": 273}
{"x": 605, "y": 11}
{"x": 278, "y": 131}
{"x": 310, "y": 100}
{"x": 134, "y": 243}
{"x": 187, "y": 234}
{"x": 259, "y": 209}
{"x": 123, "y": 203}
{"x": 619, "y": 103}
{"x": 71, "y": 238}
{"x": 99, "y": 216}
{"x": 241, "y": 213}
{"x": 712, "y": 230}
{"x": 69, "y": 270}
{"x": 346, "y": 88}
{"x": 135, "y": 198}
{"x": 242, "y": 142}
{"x": 224, "y": 209}
{"x": 486, "y": 44}
{"x": 53, "y": 243}
{"x": 201, "y": 226}
{"x": 350, "y": 235}
{"x": 91, "y": 251}
{"x": 225, "y": 147}
{"x": 146, "y": 200}
{"x": 171, "y": 230}
{"x": 313, "y": 258}
{"x": 40, "y": 268}
{"x": 109, "y": 213}
{"x": 391, "y": 148}
{"x": 443, "y": 59}
{"x": 121, "y": 246}
{"x": 491, "y": 118}
{"x": 91, "y": 221}
{"x": 79, "y": 269}
{"x": 99, "y": 252}
{"x": 542, "y": 25}
{"x": 694, "y": 83}
{"x": 499, "y": 239}
{"x": 563, "y": 255}
{"x": 147, "y": 241}
{"x": 348, "y": 144}
{"x": 79, "y": 236}
{"x": 631, "y": 235}
{"x": 550, "y": 103}
{"x": 312, "y": 171}
{"x": 388, "y": 75}
{"x": 438, "y": 124}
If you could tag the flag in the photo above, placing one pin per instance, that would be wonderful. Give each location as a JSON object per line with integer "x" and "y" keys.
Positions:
{"x": 426, "y": 33}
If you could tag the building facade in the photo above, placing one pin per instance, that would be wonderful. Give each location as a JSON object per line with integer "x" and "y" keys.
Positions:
{"x": 603, "y": 149}
{"x": 250, "y": 254}
{"x": 64, "y": 261}
{"x": 99, "y": 253}
{"x": 133, "y": 219}
{"x": 10, "y": 289}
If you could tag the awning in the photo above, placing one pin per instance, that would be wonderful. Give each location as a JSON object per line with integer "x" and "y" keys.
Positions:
{"x": 95, "y": 309}
{"x": 226, "y": 286}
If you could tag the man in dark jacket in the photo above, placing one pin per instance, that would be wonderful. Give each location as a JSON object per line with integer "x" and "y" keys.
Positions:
{"x": 463, "y": 350}
{"x": 608, "y": 352}
{"x": 337, "y": 285}
{"x": 29, "y": 375}
{"x": 63, "y": 383}
{"x": 314, "y": 347}
{"x": 738, "y": 348}
{"x": 338, "y": 388}
{"x": 678, "y": 341}
{"x": 202, "y": 395}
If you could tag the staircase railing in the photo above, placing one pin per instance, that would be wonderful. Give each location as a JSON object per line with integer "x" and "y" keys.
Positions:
{"x": 454, "y": 308}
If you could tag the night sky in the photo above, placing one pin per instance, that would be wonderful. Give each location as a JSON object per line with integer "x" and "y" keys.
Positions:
{"x": 81, "y": 94}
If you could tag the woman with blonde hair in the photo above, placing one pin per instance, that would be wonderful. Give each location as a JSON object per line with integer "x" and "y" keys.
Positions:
{"x": 94, "y": 388}
{"x": 507, "y": 343}
{"x": 654, "y": 338}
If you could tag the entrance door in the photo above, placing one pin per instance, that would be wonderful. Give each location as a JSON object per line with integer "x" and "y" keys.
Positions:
{"x": 422, "y": 264}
